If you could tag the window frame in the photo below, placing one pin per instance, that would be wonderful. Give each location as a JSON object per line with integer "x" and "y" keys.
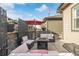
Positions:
{"x": 74, "y": 17}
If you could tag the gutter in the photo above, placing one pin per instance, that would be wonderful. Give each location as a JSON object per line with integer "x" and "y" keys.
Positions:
{"x": 62, "y": 7}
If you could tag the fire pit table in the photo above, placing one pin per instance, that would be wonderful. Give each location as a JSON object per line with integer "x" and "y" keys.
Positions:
{"x": 42, "y": 43}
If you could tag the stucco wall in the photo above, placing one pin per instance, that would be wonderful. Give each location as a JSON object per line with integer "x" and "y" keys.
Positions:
{"x": 69, "y": 35}
{"x": 55, "y": 25}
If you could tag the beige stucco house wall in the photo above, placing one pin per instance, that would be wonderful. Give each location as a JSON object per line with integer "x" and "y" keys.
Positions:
{"x": 54, "y": 25}
{"x": 69, "y": 35}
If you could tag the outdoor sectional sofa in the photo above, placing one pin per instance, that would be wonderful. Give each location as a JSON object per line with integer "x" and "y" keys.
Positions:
{"x": 23, "y": 50}
{"x": 72, "y": 47}
{"x": 30, "y": 43}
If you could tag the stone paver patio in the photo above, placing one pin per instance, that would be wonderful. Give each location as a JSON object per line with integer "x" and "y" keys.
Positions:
{"x": 54, "y": 46}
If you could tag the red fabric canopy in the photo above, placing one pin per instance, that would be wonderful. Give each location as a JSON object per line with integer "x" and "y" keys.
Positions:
{"x": 33, "y": 22}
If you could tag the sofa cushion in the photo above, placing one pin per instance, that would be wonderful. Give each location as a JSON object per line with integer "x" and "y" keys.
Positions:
{"x": 52, "y": 53}
{"x": 25, "y": 38}
{"x": 69, "y": 47}
{"x": 34, "y": 54}
{"x": 43, "y": 35}
{"x": 25, "y": 54}
{"x": 66, "y": 54}
{"x": 21, "y": 49}
{"x": 39, "y": 51}
{"x": 50, "y": 36}
{"x": 29, "y": 41}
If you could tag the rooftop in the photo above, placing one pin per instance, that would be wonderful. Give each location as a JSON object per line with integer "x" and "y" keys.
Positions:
{"x": 57, "y": 17}
{"x": 63, "y": 6}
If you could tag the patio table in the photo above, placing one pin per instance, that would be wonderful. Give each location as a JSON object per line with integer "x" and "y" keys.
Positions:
{"x": 42, "y": 43}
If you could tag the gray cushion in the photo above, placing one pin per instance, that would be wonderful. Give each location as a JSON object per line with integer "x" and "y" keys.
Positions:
{"x": 29, "y": 41}
{"x": 72, "y": 47}
{"x": 21, "y": 49}
{"x": 68, "y": 46}
{"x": 25, "y": 38}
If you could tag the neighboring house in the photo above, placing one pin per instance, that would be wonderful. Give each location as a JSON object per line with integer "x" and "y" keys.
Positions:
{"x": 34, "y": 24}
{"x": 70, "y": 21}
{"x": 34, "y": 27}
{"x": 54, "y": 23}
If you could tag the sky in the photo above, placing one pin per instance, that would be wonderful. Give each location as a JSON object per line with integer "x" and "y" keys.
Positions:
{"x": 29, "y": 11}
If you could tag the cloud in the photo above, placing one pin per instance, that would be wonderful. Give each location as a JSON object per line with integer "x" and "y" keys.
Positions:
{"x": 42, "y": 8}
{"x": 14, "y": 15}
{"x": 11, "y": 12}
{"x": 22, "y": 3}
{"x": 29, "y": 14}
{"x": 7, "y": 6}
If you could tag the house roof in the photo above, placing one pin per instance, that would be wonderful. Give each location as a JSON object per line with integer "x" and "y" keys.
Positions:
{"x": 57, "y": 17}
{"x": 34, "y": 22}
{"x": 63, "y": 6}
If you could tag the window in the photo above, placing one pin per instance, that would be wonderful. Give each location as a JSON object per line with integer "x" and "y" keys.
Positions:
{"x": 75, "y": 18}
